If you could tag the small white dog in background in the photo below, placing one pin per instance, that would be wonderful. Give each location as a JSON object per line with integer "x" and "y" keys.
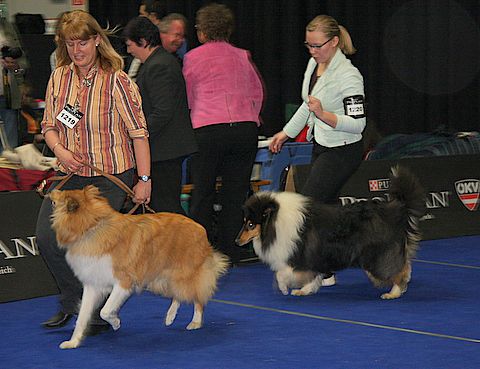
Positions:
{"x": 29, "y": 157}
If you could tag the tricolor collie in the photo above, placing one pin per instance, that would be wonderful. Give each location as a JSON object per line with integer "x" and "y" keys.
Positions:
{"x": 301, "y": 240}
{"x": 117, "y": 254}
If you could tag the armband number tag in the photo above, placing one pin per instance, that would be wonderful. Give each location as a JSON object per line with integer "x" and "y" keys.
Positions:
{"x": 354, "y": 106}
{"x": 69, "y": 116}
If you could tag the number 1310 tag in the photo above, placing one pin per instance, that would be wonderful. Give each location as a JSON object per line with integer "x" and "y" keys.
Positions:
{"x": 69, "y": 116}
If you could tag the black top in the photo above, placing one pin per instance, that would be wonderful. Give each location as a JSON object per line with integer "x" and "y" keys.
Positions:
{"x": 164, "y": 102}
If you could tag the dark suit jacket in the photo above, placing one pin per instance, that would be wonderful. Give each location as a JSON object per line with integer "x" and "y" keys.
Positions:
{"x": 164, "y": 102}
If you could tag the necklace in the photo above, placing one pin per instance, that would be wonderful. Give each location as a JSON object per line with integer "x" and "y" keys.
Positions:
{"x": 87, "y": 82}
{"x": 87, "y": 79}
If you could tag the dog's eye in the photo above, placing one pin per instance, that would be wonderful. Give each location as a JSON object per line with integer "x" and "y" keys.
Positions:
{"x": 250, "y": 226}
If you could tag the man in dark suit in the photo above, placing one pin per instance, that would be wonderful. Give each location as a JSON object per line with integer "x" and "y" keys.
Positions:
{"x": 164, "y": 103}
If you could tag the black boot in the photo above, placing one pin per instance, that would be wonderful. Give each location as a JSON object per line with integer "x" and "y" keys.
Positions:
{"x": 59, "y": 320}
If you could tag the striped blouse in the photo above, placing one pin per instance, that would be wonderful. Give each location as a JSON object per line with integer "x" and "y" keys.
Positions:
{"x": 112, "y": 117}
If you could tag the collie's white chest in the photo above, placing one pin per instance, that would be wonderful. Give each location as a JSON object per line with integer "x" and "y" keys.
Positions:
{"x": 276, "y": 257}
{"x": 257, "y": 247}
{"x": 92, "y": 270}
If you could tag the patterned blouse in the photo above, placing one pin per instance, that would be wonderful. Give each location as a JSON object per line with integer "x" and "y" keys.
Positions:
{"x": 112, "y": 117}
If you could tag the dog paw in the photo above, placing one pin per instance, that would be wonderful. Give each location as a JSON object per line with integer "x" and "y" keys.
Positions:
{"x": 394, "y": 293}
{"x": 169, "y": 319}
{"x": 389, "y": 296}
{"x": 70, "y": 344}
{"x": 297, "y": 292}
{"x": 115, "y": 323}
{"x": 113, "y": 320}
{"x": 283, "y": 287}
{"x": 194, "y": 325}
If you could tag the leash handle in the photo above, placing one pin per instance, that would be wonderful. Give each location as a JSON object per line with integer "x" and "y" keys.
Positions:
{"x": 63, "y": 179}
{"x": 112, "y": 178}
{"x": 118, "y": 182}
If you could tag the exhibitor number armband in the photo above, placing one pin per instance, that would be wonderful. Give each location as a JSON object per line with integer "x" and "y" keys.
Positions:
{"x": 354, "y": 106}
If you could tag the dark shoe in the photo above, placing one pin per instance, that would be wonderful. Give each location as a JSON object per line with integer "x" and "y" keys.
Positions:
{"x": 245, "y": 261}
{"x": 242, "y": 257}
{"x": 57, "y": 321}
{"x": 94, "y": 329}
{"x": 329, "y": 280}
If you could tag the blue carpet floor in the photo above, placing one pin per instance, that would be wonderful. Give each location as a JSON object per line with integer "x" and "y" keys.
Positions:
{"x": 251, "y": 325}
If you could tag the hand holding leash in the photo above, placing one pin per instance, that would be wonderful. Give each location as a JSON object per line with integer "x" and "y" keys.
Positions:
{"x": 140, "y": 195}
{"x": 142, "y": 192}
{"x": 68, "y": 161}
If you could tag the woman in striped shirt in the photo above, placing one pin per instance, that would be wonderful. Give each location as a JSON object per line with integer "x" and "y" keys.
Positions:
{"x": 93, "y": 114}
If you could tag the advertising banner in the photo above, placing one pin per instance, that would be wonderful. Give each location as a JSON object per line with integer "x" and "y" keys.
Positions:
{"x": 23, "y": 273}
{"x": 452, "y": 185}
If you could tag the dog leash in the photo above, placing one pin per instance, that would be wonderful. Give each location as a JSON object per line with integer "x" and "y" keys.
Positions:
{"x": 117, "y": 181}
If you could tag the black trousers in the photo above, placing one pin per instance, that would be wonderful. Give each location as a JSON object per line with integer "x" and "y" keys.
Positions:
{"x": 70, "y": 287}
{"x": 228, "y": 151}
{"x": 167, "y": 186}
{"x": 330, "y": 169}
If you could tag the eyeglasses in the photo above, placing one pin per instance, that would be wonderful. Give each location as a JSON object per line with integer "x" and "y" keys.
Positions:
{"x": 317, "y": 47}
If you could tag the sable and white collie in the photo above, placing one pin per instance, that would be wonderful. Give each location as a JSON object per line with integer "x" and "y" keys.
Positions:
{"x": 301, "y": 240}
{"x": 117, "y": 254}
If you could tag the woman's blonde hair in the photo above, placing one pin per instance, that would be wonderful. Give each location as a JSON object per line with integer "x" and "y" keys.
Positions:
{"x": 80, "y": 25}
{"x": 330, "y": 27}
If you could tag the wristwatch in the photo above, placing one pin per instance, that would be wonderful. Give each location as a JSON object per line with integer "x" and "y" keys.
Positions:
{"x": 144, "y": 178}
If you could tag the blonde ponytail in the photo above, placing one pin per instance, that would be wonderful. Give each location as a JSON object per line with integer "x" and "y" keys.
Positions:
{"x": 330, "y": 27}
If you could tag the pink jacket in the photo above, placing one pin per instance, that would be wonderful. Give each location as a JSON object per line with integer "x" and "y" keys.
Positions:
{"x": 223, "y": 85}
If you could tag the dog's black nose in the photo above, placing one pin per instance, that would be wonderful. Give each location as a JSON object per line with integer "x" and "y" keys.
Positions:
{"x": 238, "y": 238}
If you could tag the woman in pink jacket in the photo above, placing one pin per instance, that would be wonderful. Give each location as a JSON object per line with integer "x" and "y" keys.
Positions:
{"x": 225, "y": 95}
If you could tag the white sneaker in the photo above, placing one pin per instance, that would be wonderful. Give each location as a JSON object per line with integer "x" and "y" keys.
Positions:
{"x": 330, "y": 281}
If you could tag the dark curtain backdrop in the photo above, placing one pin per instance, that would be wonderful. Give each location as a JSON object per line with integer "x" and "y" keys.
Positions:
{"x": 419, "y": 59}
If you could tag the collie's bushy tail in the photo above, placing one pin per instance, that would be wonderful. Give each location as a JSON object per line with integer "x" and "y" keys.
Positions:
{"x": 220, "y": 263}
{"x": 212, "y": 269}
{"x": 195, "y": 285}
{"x": 407, "y": 189}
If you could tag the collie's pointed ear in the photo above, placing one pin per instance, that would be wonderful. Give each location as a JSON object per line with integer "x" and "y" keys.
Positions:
{"x": 269, "y": 211}
{"x": 72, "y": 204}
{"x": 244, "y": 210}
{"x": 91, "y": 190}
{"x": 53, "y": 195}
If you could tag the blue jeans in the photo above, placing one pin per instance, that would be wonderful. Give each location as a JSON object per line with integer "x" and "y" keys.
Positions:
{"x": 10, "y": 124}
